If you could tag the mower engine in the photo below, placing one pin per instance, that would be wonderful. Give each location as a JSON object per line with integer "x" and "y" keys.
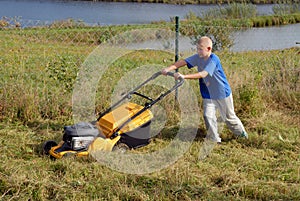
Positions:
{"x": 79, "y": 136}
{"x": 76, "y": 140}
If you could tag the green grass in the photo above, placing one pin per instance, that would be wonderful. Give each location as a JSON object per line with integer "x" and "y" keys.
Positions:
{"x": 37, "y": 73}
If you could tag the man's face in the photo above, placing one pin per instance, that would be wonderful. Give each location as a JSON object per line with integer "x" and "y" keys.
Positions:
{"x": 202, "y": 50}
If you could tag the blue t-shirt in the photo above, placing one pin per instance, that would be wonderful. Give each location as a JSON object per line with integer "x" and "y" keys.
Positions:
{"x": 215, "y": 84}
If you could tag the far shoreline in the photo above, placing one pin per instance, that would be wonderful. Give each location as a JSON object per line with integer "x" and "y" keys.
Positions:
{"x": 191, "y": 2}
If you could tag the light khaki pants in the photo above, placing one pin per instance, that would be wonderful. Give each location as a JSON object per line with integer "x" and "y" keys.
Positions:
{"x": 226, "y": 110}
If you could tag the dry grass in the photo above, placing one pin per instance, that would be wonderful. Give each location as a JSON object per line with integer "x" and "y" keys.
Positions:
{"x": 34, "y": 107}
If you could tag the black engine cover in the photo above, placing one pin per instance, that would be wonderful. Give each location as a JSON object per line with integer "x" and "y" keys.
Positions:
{"x": 81, "y": 129}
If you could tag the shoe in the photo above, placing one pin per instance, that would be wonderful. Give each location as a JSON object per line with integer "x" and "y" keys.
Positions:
{"x": 244, "y": 135}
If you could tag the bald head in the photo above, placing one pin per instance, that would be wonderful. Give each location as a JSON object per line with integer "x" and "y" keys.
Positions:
{"x": 205, "y": 42}
{"x": 204, "y": 47}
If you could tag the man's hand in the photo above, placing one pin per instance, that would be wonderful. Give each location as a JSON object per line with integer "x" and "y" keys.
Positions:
{"x": 178, "y": 75}
{"x": 164, "y": 71}
{"x": 174, "y": 66}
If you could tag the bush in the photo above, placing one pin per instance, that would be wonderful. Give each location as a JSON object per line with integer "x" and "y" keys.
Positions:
{"x": 249, "y": 101}
{"x": 219, "y": 31}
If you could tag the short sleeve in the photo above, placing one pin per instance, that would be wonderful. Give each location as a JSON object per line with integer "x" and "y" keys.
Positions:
{"x": 210, "y": 67}
{"x": 192, "y": 61}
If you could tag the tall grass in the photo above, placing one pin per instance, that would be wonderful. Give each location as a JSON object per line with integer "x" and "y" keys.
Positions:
{"x": 232, "y": 11}
{"x": 287, "y": 8}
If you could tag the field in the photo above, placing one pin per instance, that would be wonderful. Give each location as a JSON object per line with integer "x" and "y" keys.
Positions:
{"x": 38, "y": 68}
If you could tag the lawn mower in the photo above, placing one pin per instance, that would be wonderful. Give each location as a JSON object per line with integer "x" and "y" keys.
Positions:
{"x": 120, "y": 127}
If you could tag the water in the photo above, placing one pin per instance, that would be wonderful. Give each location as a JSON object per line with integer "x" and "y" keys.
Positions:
{"x": 255, "y": 39}
{"x": 34, "y": 12}
{"x": 267, "y": 38}
{"x": 103, "y": 13}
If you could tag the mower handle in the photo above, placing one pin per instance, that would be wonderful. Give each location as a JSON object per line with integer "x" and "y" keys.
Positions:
{"x": 181, "y": 79}
{"x": 128, "y": 95}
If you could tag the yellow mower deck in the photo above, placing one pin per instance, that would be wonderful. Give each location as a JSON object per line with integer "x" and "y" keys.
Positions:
{"x": 113, "y": 120}
{"x": 108, "y": 125}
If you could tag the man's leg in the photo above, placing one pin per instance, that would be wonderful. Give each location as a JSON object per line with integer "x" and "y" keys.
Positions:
{"x": 209, "y": 114}
{"x": 232, "y": 121}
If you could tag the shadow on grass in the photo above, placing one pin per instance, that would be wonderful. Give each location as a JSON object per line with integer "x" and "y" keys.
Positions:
{"x": 172, "y": 132}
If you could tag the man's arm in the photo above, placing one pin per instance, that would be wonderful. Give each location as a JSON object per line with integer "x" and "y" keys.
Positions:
{"x": 179, "y": 64}
{"x": 198, "y": 75}
{"x": 174, "y": 66}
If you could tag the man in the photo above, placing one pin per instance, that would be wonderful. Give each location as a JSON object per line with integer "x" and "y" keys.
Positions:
{"x": 214, "y": 87}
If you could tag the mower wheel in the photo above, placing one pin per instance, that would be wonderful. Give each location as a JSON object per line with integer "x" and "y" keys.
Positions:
{"x": 47, "y": 146}
{"x": 121, "y": 147}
